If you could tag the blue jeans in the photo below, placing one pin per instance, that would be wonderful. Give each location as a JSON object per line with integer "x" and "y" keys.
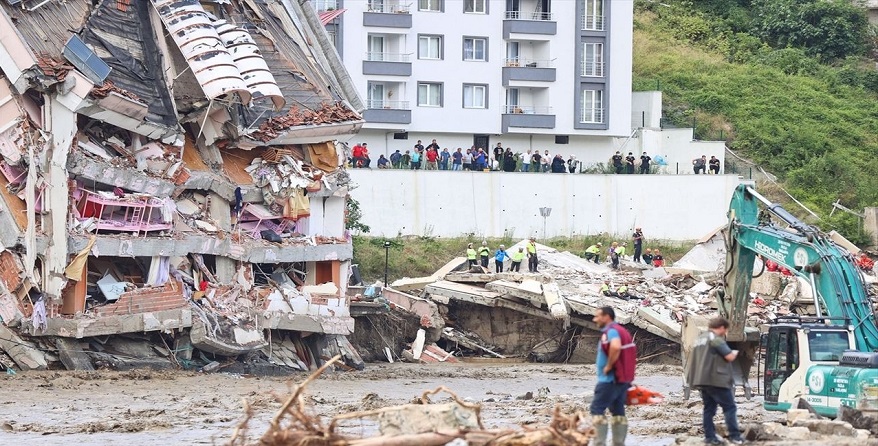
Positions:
{"x": 713, "y": 396}
{"x": 609, "y": 396}
{"x": 455, "y": 167}
{"x": 525, "y": 167}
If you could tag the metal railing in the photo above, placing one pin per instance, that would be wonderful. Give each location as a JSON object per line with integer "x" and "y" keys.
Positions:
{"x": 527, "y": 110}
{"x": 592, "y": 116}
{"x": 521, "y": 15}
{"x": 374, "y": 104}
{"x": 592, "y": 22}
{"x": 592, "y": 69}
{"x": 388, "y": 57}
{"x": 528, "y": 63}
{"x": 388, "y": 8}
{"x": 325, "y": 5}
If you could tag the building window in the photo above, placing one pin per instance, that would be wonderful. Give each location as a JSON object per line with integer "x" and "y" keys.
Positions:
{"x": 375, "y": 95}
{"x": 562, "y": 139}
{"x": 475, "y": 6}
{"x": 593, "y": 15}
{"x": 430, "y": 47}
{"x": 592, "y": 106}
{"x": 325, "y": 5}
{"x": 593, "y": 59}
{"x": 475, "y": 49}
{"x": 430, "y": 5}
{"x": 429, "y": 94}
{"x": 475, "y": 96}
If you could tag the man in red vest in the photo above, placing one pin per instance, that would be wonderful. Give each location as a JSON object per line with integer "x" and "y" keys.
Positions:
{"x": 616, "y": 360}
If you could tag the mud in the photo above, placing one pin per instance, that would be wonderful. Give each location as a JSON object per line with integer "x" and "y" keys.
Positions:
{"x": 160, "y": 408}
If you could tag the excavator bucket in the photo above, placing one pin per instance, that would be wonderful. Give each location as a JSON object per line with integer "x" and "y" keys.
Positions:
{"x": 693, "y": 327}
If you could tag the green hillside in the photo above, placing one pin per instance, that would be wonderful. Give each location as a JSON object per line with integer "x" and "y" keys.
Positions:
{"x": 788, "y": 84}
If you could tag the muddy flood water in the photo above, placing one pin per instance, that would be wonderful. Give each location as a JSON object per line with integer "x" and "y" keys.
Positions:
{"x": 169, "y": 407}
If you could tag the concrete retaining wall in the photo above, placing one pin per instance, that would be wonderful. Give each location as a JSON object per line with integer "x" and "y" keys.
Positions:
{"x": 446, "y": 203}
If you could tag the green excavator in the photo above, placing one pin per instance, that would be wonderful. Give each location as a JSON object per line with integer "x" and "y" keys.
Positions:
{"x": 828, "y": 359}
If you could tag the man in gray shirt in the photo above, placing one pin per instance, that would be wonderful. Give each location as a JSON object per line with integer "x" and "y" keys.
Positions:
{"x": 710, "y": 371}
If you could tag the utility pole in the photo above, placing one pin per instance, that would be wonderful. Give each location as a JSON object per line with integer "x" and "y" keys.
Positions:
{"x": 545, "y": 212}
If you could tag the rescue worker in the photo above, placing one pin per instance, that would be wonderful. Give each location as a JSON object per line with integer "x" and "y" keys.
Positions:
{"x": 613, "y": 255}
{"x": 517, "y": 258}
{"x": 657, "y": 259}
{"x": 710, "y": 371}
{"x": 621, "y": 251}
{"x": 638, "y": 244}
{"x": 470, "y": 255}
{"x": 616, "y": 361}
{"x": 593, "y": 252}
{"x": 484, "y": 254}
{"x": 532, "y": 260}
{"x": 499, "y": 257}
{"x": 606, "y": 291}
{"x": 647, "y": 257}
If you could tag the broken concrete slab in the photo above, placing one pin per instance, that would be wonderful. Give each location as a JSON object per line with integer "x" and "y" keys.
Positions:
{"x": 553, "y": 298}
{"x": 662, "y": 319}
{"x": 72, "y": 354}
{"x": 468, "y": 277}
{"x": 25, "y": 354}
{"x": 418, "y": 283}
{"x": 530, "y": 293}
{"x": 462, "y": 292}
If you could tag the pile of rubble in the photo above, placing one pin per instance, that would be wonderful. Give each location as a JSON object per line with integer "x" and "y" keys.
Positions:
{"x": 568, "y": 289}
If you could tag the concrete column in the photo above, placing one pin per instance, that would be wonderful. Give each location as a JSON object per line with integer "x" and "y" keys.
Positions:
{"x": 870, "y": 225}
{"x": 60, "y": 125}
{"x": 220, "y": 212}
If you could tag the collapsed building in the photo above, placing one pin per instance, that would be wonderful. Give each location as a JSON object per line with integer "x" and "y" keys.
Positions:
{"x": 169, "y": 173}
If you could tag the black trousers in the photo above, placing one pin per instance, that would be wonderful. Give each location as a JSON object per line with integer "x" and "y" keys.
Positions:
{"x": 637, "y": 251}
{"x": 485, "y": 262}
{"x": 516, "y": 266}
{"x": 532, "y": 262}
{"x": 498, "y": 266}
{"x": 591, "y": 255}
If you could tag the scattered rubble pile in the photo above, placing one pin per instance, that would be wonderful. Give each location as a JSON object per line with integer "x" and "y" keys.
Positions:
{"x": 421, "y": 423}
{"x": 567, "y": 290}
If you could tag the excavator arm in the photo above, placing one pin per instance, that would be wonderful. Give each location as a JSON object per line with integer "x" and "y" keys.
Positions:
{"x": 837, "y": 286}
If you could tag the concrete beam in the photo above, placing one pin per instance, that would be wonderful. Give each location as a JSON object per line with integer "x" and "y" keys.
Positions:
{"x": 83, "y": 167}
{"x": 527, "y": 309}
{"x": 110, "y": 325}
{"x": 662, "y": 321}
{"x": 464, "y": 293}
{"x": 9, "y": 233}
{"x": 23, "y": 353}
{"x": 72, "y": 355}
{"x": 276, "y": 320}
{"x": 255, "y": 251}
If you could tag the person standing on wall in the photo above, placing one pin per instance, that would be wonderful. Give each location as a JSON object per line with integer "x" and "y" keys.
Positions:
{"x": 532, "y": 260}
{"x": 535, "y": 161}
{"x": 467, "y": 159}
{"x": 644, "y": 163}
{"x": 498, "y": 155}
{"x": 638, "y": 243}
{"x": 615, "y": 364}
{"x": 484, "y": 254}
{"x": 572, "y": 164}
{"x": 509, "y": 160}
{"x": 416, "y": 160}
{"x": 710, "y": 371}
{"x": 629, "y": 163}
{"x": 617, "y": 162}
{"x": 432, "y": 158}
{"x": 470, "y": 255}
{"x": 457, "y": 160}
{"x": 698, "y": 164}
{"x": 525, "y": 161}
{"x": 395, "y": 158}
{"x": 443, "y": 159}
{"x": 517, "y": 258}
{"x": 499, "y": 257}
{"x": 713, "y": 165}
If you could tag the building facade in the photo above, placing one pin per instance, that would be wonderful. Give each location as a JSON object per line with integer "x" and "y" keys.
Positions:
{"x": 530, "y": 74}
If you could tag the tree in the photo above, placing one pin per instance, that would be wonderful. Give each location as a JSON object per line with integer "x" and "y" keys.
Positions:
{"x": 352, "y": 216}
{"x": 828, "y": 29}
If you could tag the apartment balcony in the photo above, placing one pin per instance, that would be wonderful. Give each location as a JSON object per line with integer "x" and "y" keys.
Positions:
{"x": 592, "y": 69}
{"x": 387, "y": 15}
{"x": 519, "y": 69}
{"x": 528, "y": 117}
{"x": 592, "y": 22}
{"x": 388, "y": 112}
{"x": 519, "y": 22}
{"x": 388, "y": 64}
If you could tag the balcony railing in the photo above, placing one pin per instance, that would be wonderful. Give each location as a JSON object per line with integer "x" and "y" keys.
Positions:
{"x": 521, "y": 15}
{"x": 527, "y": 110}
{"x": 592, "y": 22}
{"x": 593, "y": 69}
{"x": 388, "y": 8}
{"x": 528, "y": 63}
{"x": 375, "y": 104}
{"x": 592, "y": 116}
{"x": 388, "y": 57}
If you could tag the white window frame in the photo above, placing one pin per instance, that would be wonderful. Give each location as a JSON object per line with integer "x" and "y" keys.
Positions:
{"x": 430, "y": 89}
{"x": 592, "y": 107}
{"x": 430, "y": 5}
{"x": 475, "y": 6}
{"x": 475, "y": 41}
{"x": 477, "y": 91}
{"x": 593, "y": 66}
{"x": 593, "y": 15}
{"x": 430, "y": 38}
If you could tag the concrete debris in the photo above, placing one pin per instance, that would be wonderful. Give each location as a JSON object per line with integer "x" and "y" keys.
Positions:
{"x": 193, "y": 221}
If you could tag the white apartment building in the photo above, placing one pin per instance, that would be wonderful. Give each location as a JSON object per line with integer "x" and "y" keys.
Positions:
{"x": 531, "y": 74}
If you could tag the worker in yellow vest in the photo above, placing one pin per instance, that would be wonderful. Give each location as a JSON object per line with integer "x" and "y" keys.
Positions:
{"x": 517, "y": 258}
{"x": 593, "y": 252}
{"x": 484, "y": 254}
{"x": 470, "y": 255}
{"x": 532, "y": 255}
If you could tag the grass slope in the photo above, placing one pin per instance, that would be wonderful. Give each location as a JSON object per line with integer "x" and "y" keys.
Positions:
{"x": 799, "y": 119}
